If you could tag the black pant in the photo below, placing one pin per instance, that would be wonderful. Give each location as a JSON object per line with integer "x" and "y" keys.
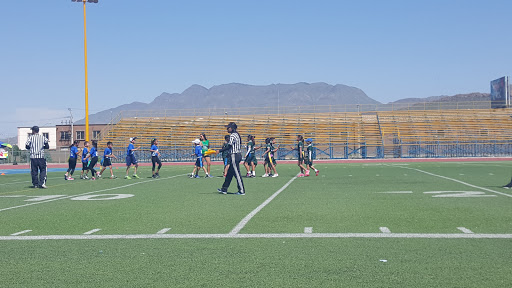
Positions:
{"x": 38, "y": 168}
{"x": 234, "y": 170}
{"x": 154, "y": 160}
{"x": 72, "y": 165}
{"x": 94, "y": 160}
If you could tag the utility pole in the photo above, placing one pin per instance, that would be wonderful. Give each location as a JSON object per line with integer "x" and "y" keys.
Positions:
{"x": 71, "y": 118}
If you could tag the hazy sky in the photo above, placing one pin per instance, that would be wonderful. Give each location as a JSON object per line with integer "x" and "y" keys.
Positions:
{"x": 139, "y": 49}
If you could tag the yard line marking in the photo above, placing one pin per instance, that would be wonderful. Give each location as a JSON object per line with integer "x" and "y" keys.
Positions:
{"x": 249, "y": 236}
{"x": 308, "y": 230}
{"x": 247, "y": 218}
{"x": 465, "y": 230}
{"x": 163, "y": 231}
{"x": 385, "y": 230}
{"x": 395, "y": 192}
{"x": 87, "y": 193}
{"x": 21, "y": 232}
{"x": 12, "y": 196}
{"x": 455, "y": 180}
{"x": 92, "y": 231}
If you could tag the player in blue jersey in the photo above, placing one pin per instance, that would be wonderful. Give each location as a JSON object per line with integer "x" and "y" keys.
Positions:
{"x": 155, "y": 158}
{"x": 198, "y": 152}
{"x": 130, "y": 159}
{"x": 107, "y": 160}
{"x": 73, "y": 156}
{"x": 93, "y": 160}
{"x": 85, "y": 160}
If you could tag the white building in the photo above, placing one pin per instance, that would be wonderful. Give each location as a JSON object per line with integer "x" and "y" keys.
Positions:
{"x": 49, "y": 132}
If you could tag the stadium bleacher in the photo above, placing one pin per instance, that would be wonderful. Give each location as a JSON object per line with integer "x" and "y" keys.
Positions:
{"x": 402, "y": 133}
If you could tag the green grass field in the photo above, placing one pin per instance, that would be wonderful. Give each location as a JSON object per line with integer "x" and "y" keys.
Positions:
{"x": 437, "y": 224}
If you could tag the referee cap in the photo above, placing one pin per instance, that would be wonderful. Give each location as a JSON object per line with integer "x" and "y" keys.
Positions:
{"x": 232, "y": 125}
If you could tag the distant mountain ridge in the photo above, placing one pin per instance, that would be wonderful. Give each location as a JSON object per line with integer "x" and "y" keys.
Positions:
{"x": 236, "y": 95}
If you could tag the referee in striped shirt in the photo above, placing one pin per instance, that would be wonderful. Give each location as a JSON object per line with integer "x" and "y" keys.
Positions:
{"x": 36, "y": 144}
{"x": 234, "y": 148}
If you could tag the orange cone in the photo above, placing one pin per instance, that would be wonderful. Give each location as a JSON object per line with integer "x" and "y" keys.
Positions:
{"x": 2, "y": 174}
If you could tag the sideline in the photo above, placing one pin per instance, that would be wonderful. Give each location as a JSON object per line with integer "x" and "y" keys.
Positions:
{"x": 276, "y": 235}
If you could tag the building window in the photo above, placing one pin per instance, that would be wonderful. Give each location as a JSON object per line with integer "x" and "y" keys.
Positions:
{"x": 96, "y": 135}
{"x": 80, "y": 135}
{"x": 46, "y": 135}
{"x": 65, "y": 135}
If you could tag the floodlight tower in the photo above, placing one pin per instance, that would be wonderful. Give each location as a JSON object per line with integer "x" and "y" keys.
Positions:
{"x": 85, "y": 60}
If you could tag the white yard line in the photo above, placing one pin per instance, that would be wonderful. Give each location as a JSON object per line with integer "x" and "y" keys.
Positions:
{"x": 163, "y": 231}
{"x": 87, "y": 193}
{"x": 21, "y": 232}
{"x": 455, "y": 180}
{"x": 465, "y": 230}
{"x": 247, "y": 218}
{"x": 276, "y": 235}
{"x": 92, "y": 231}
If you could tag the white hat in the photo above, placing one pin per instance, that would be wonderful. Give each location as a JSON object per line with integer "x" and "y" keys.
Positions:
{"x": 131, "y": 139}
{"x": 197, "y": 141}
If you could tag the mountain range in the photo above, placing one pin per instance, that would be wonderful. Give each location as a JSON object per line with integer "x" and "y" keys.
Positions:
{"x": 236, "y": 95}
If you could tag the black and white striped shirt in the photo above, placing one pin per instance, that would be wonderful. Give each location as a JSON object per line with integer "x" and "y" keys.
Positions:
{"x": 36, "y": 143}
{"x": 236, "y": 143}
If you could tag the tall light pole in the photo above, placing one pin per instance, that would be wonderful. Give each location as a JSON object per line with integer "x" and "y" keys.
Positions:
{"x": 85, "y": 60}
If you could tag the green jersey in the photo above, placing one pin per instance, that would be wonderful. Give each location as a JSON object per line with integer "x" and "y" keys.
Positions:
{"x": 309, "y": 154}
{"x": 250, "y": 147}
{"x": 300, "y": 148}
{"x": 206, "y": 145}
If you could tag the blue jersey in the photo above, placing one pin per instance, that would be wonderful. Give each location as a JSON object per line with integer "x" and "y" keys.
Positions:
{"x": 198, "y": 151}
{"x": 129, "y": 150}
{"x": 73, "y": 152}
{"x": 94, "y": 152}
{"x": 108, "y": 151}
{"x": 84, "y": 154}
{"x": 154, "y": 148}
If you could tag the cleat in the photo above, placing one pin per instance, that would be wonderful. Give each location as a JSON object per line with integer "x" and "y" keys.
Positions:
{"x": 113, "y": 177}
{"x": 240, "y": 193}
{"x": 135, "y": 176}
{"x": 93, "y": 178}
{"x": 197, "y": 176}
{"x": 264, "y": 175}
{"x": 43, "y": 186}
{"x": 70, "y": 179}
{"x": 85, "y": 177}
{"x": 300, "y": 175}
{"x": 222, "y": 191}
{"x": 127, "y": 177}
{"x": 65, "y": 177}
{"x": 274, "y": 176}
{"x": 81, "y": 176}
{"x": 316, "y": 173}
